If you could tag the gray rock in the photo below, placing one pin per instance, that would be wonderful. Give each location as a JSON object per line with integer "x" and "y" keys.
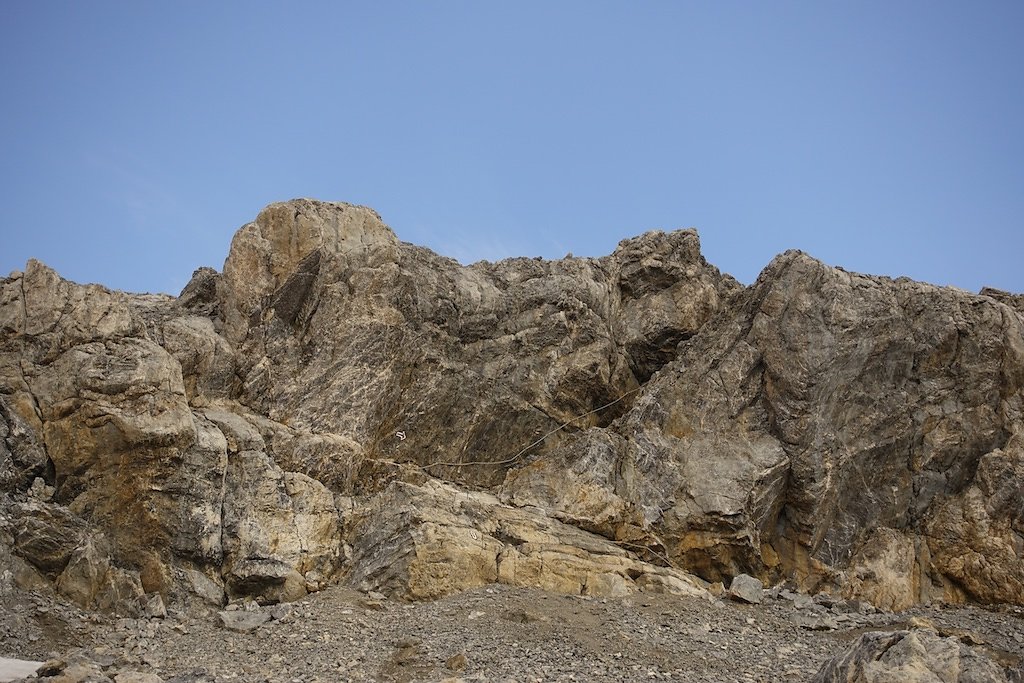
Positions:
{"x": 137, "y": 677}
{"x": 746, "y": 588}
{"x": 154, "y": 608}
{"x": 815, "y": 622}
{"x": 918, "y": 656}
{"x": 281, "y": 612}
{"x": 243, "y": 621}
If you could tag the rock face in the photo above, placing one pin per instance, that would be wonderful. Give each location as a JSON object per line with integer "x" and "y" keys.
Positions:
{"x": 427, "y": 541}
{"x": 337, "y": 405}
{"x": 917, "y": 656}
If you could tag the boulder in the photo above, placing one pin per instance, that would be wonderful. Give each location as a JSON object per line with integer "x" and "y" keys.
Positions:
{"x": 744, "y": 588}
{"x": 916, "y": 656}
{"x": 243, "y": 621}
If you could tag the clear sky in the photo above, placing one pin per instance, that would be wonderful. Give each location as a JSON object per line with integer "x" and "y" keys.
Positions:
{"x": 886, "y": 137}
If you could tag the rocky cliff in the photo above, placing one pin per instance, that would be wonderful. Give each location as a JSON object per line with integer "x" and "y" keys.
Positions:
{"x": 339, "y": 406}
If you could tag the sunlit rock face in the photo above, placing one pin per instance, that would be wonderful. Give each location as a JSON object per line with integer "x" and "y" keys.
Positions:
{"x": 337, "y": 405}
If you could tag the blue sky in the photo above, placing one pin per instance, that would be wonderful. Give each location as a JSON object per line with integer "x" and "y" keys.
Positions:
{"x": 886, "y": 137}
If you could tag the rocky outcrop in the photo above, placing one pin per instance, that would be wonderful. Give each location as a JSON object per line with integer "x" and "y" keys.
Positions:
{"x": 917, "y": 656}
{"x": 431, "y": 540}
{"x": 142, "y": 482}
{"x": 975, "y": 537}
{"x": 339, "y": 405}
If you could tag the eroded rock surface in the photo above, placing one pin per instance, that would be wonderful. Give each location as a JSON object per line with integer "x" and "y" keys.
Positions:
{"x": 337, "y": 405}
{"x": 916, "y": 656}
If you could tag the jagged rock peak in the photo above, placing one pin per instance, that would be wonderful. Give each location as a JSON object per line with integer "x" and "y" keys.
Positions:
{"x": 286, "y": 235}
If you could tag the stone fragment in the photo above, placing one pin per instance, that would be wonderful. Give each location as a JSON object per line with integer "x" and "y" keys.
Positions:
{"x": 746, "y": 588}
{"x": 242, "y": 621}
{"x": 281, "y": 612}
{"x": 815, "y": 622}
{"x": 457, "y": 662}
{"x": 153, "y": 607}
{"x": 137, "y": 677}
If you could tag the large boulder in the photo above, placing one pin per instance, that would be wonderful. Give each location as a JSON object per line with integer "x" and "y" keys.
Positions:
{"x": 917, "y": 656}
{"x": 976, "y": 538}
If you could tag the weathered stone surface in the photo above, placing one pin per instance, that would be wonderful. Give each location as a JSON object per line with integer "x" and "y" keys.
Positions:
{"x": 825, "y": 405}
{"x": 1015, "y": 301}
{"x": 746, "y": 589}
{"x": 153, "y": 606}
{"x": 886, "y": 571}
{"x": 280, "y": 530}
{"x": 335, "y": 389}
{"x": 109, "y": 408}
{"x": 976, "y": 538}
{"x": 918, "y": 656}
{"x": 137, "y": 677}
{"x": 207, "y": 360}
{"x": 92, "y": 581}
{"x": 22, "y": 459}
{"x": 469, "y": 364}
{"x": 46, "y": 535}
{"x": 428, "y": 541}
{"x": 243, "y": 621}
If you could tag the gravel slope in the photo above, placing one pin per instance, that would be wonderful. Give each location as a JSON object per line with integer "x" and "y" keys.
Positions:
{"x": 490, "y": 634}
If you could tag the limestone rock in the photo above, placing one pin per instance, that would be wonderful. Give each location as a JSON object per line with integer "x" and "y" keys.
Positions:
{"x": 886, "y": 571}
{"x": 199, "y": 297}
{"x": 108, "y": 419}
{"x": 22, "y": 459}
{"x": 208, "y": 363}
{"x": 47, "y": 535}
{"x": 137, "y": 677}
{"x": 824, "y": 405}
{"x": 918, "y": 656}
{"x": 423, "y": 542}
{"x": 975, "y": 537}
{"x": 276, "y": 258}
{"x": 1015, "y": 301}
{"x": 153, "y": 607}
{"x": 468, "y": 364}
{"x": 281, "y": 532}
{"x": 92, "y": 581}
